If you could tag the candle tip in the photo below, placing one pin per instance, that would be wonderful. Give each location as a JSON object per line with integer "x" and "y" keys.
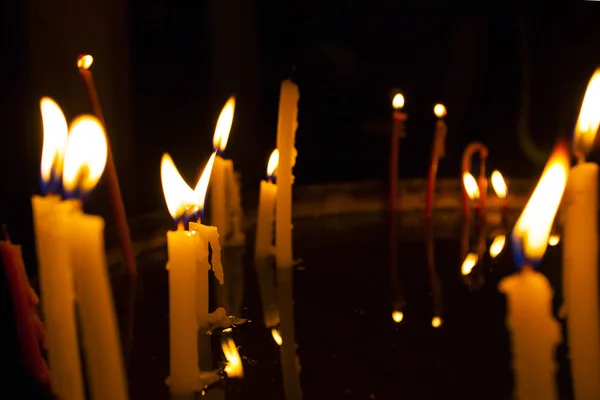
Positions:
{"x": 5, "y": 232}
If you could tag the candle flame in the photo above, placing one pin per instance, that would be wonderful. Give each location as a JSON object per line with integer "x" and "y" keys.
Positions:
{"x": 531, "y": 232}
{"x": 180, "y": 198}
{"x": 85, "y": 155}
{"x": 589, "y": 117}
{"x": 202, "y": 185}
{"x": 273, "y": 163}
{"x": 436, "y": 322}
{"x": 276, "y": 336}
{"x": 398, "y": 101}
{"x": 470, "y": 185}
{"x": 469, "y": 263}
{"x": 439, "y": 110}
{"x": 397, "y": 316}
{"x": 497, "y": 245}
{"x": 56, "y": 133}
{"x": 234, "y": 368}
{"x": 85, "y": 61}
{"x": 224, "y": 125}
{"x": 553, "y": 240}
{"x": 499, "y": 184}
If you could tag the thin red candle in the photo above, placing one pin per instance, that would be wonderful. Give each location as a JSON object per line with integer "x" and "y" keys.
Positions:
{"x": 398, "y": 118}
{"x": 438, "y": 150}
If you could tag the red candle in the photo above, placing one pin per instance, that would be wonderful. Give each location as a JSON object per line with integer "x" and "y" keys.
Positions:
{"x": 437, "y": 152}
{"x": 399, "y": 118}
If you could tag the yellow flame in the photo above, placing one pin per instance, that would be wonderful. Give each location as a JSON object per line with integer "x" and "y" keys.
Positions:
{"x": 497, "y": 245}
{"x": 56, "y": 132}
{"x": 273, "y": 163}
{"x": 535, "y": 223}
{"x": 234, "y": 366}
{"x": 202, "y": 185}
{"x": 436, "y": 322}
{"x": 439, "y": 110}
{"x": 397, "y": 316}
{"x": 469, "y": 263}
{"x": 180, "y": 198}
{"x": 553, "y": 240}
{"x": 398, "y": 101}
{"x": 276, "y": 336}
{"x": 224, "y": 125}
{"x": 589, "y": 117}
{"x": 85, "y": 154}
{"x": 471, "y": 186}
{"x": 499, "y": 184}
{"x": 85, "y": 61}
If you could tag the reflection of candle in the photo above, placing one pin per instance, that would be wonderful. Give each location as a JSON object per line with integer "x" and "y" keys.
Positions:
{"x": 434, "y": 280}
{"x": 580, "y": 252}
{"x": 268, "y": 294}
{"x": 266, "y": 211}
{"x": 398, "y": 298}
{"x": 501, "y": 191}
{"x": 437, "y": 151}
{"x": 286, "y": 137}
{"x": 533, "y": 330}
{"x": 398, "y": 118}
{"x": 234, "y": 367}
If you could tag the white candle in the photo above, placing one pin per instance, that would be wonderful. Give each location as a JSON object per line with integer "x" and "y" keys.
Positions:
{"x": 580, "y": 253}
{"x": 286, "y": 138}
{"x": 533, "y": 330}
{"x": 266, "y": 212}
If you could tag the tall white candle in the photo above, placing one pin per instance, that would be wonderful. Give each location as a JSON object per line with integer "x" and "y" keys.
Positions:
{"x": 580, "y": 253}
{"x": 286, "y": 137}
{"x": 266, "y": 212}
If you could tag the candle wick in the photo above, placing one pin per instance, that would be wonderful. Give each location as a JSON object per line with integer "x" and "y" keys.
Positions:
{"x": 580, "y": 157}
{"x": 5, "y": 232}
{"x": 180, "y": 226}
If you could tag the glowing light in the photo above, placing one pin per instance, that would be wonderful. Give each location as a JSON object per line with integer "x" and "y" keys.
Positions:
{"x": 397, "y": 316}
{"x": 470, "y": 185}
{"x": 398, "y": 101}
{"x": 531, "y": 232}
{"x": 85, "y": 155}
{"x": 499, "y": 184}
{"x": 56, "y": 132}
{"x": 85, "y": 61}
{"x": 589, "y": 117}
{"x": 273, "y": 163}
{"x": 469, "y": 263}
{"x": 234, "y": 368}
{"x": 436, "y": 322}
{"x": 180, "y": 198}
{"x": 276, "y": 336}
{"x": 439, "y": 110}
{"x": 224, "y": 123}
{"x": 497, "y": 245}
{"x": 553, "y": 240}
{"x": 202, "y": 185}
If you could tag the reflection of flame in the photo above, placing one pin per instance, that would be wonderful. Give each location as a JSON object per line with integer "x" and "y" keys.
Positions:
{"x": 398, "y": 101}
{"x": 439, "y": 110}
{"x": 273, "y": 163}
{"x": 85, "y": 155}
{"x": 471, "y": 186}
{"x": 180, "y": 198}
{"x": 55, "y": 139}
{"x": 436, "y": 322}
{"x": 553, "y": 240}
{"x": 85, "y": 61}
{"x": 589, "y": 119}
{"x": 499, "y": 184}
{"x": 224, "y": 125}
{"x": 497, "y": 245}
{"x": 397, "y": 316}
{"x": 234, "y": 368}
{"x": 531, "y": 232}
{"x": 276, "y": 336}
{"x": 469, "y": 263}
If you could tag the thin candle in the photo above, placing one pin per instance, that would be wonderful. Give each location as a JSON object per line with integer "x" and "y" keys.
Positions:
{"x": 471, "y": 188}
{"x": 438, "y": 150}
{"x": 501, "y": 191}
{"x": 470, "y": 150}
{"x": 266, "y": 212}
{"x": 398, "y": 120}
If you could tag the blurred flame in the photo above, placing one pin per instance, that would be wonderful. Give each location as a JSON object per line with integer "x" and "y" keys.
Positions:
{"x": 531, "y": 232}
{"x": 469, "y": 263}
{"x": 439, "y": 110}
{"x": 85, "y": 155}
{"x": 180, "y": 198}
{"x": 589, "y": 116}
{"x": 276, "y": 336}
{"x": 436, "y": 322}
{"x": 202, "y": 185}
{"x": 56, "y": 132}
{"x": 499, "y": 184}
{"x": 471, "y": 186}
{"x": 273, "y": 163}
{"x": 224, "y": 125}
{"x": 85, "y": 61}
{"x": 497, "y": 245}
{"x": 553, "y": 240}
{"x": 398, "y": 101}
{"x": 397, "y": 316}
{"x": 234, "y": 366}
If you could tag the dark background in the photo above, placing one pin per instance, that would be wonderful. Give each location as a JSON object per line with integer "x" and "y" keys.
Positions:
{"x": 511, "y": 78}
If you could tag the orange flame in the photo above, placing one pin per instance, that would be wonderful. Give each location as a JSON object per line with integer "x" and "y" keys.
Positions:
{"x": 589, "y": 117}
{"x": 439, "y": 110}
{"x": 398, "y": 101}
{"x": 499, "y": 185}
{"x": 470, "y": 185}
{"x": 224, "y": 123}
{"x": 234, "y": 366}
{"x": 56, "y": 132}
{"x": 85, "y": 61}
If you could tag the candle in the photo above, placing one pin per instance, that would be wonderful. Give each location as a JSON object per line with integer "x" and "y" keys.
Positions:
{"x": 29, "y": 327}
{"x": 533, "y": 330}
{"x": 501, "y": 191}
{"x": 471, "y": 188}
{"x": 286, "y": 137}
{"x": 437, "y": 151}
{"x": 398, "y": 118}
{"x": 266, "y": 212}
{"x": 471, "y": 149}
{"x": 580, "y": 252}
{"x": 57, "y": 288}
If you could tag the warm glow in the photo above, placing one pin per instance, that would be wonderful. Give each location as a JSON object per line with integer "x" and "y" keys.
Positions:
{"x": 469, "y": 263}
{"x": 234, "y": 368}
{"x": 471, "y": 186}
{"x": 499, "y": 185}
{"x": 436, "y": 322}
{"x": 397, "y": 316}
{"x": 439, "y": 110}
{"x": 56, "y": 132}
{"x": 531, "y": 232}
{"x": 273, "y": 163}
{"x": 589, "y": 116}
{"x": 85, "y": 155}
{"x": 497, "y": 245}
{"x": 276, "y": 336}
{"x": 398, "y": 101}
{"x": 85, "y": 61}
{"x": 553, "y": 240}
{"x": 202, "y": 185}
{"x": 181, "y": 199}
{"x": 224, "y": 125}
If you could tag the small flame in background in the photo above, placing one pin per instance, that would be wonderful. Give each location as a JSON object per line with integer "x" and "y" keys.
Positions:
{"x": 439, "y": 110}
{"x": 398, "y": 101}
{"x": 436, "y": 322}
{"x": 499, "y": 185}
{"x": 277, "y": 336}
{"x": 234, "y": 368}
{"x": 471, "y": 186}
{"x": 469, "y": 263}
{"x": 553, "y": 240}
{"x": 223, "y": 127}
{"x": 397, "y": 316}
{"x": 273, "y": 163}
{"x": 85, "y": 61}
{"x": 497, "y": 245}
